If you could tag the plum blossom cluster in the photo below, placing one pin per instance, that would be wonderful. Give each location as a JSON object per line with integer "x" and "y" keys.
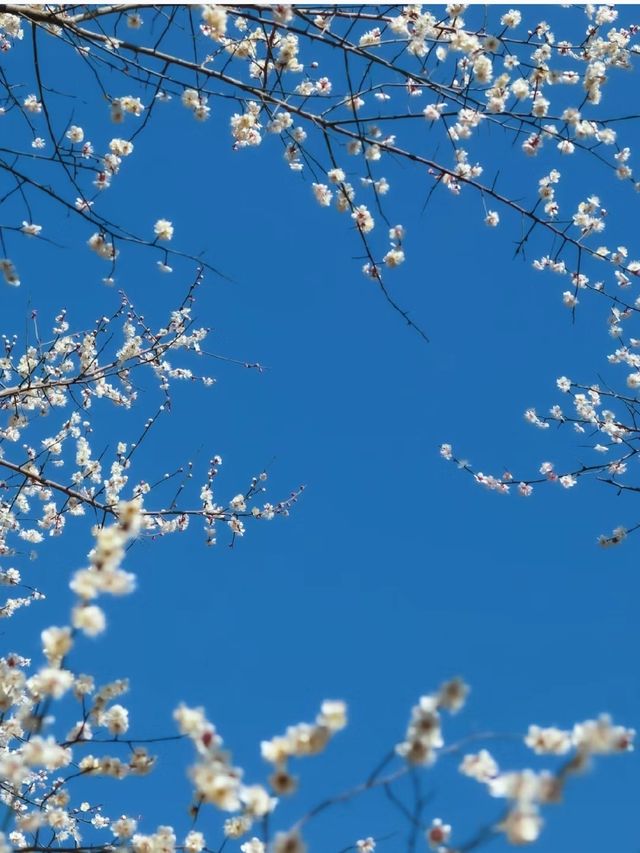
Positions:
{"x": 98, "y": 171}
{"x": 52, "y": 471}
{"x": 424, "y": 732}
{"x": 526, "y": 791}
{"x": 216, "y": 781}
{"x": 605, "y": 420}
{"x": 345, "y": 125}
{"x": 35, "y": 763}
{"x": 302, "y": 740}
{"x": 55, "y": 472}
{"x": 503, "y": 483}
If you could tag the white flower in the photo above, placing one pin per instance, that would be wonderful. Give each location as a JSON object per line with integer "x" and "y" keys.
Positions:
{"x": 238, "y": 504}
{"x": 480, "y": 766}
{"x": 394, "y": 257}
{"x": 90, "y": 619}
{"x": 550, "y": 741}
{"x": 333, "y": 714}
{"x": 511, "y": 18}
{"x": 105, "y": 250}
{"x": 520, "y": 88}
{"x": 190, "y": 98}
{"x": 236, "y": 827}
{"x": 236, "y": 526}
{"x": 191, "y": 721}
{"x": 56, "y": 642}
{"x": 127, "y": 104}
{"x": 322, "y": 193}
{"x": 121, "y": 147}
{"x": 82, "y": 204}
{"x": 116, "y": 720}
{"x": 254, "y": 845}
{"x": 567, "y": 481}
{"x": 32, "y": 104}
{"x": 124, "y": 827}
{"x": 565, "y": 146}
{"x": 163, "y": 229}
{"x": 372, "y": 37}
{"x": 215, "y": 22}
{"x": 51, "y": 681}
{"x": 601, "y": 736}
{"x": 432, "y": 111}
{"x": 202, "y": 112}
{"x": 75, "y": 133}
{"x": 483, "y": 69}
{"x": 336, "y": 176}
{"x": 492, "y": 218}
{"x": 257, "y": 801}
{"x": 363, "y": 219}
{"x": 194, "y": 842}
{"x": 522, "y": 825}
{"x": 30, "y": 229}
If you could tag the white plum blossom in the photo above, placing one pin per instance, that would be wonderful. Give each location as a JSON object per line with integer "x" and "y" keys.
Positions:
{"x": 30, "y": 229}
{"x": 363, "y": 219}
{"x": 163, "y": 229}
{"x": 32, "y": 104}
{"x": 548, "y": 741}
{"x": 75, "y": 134}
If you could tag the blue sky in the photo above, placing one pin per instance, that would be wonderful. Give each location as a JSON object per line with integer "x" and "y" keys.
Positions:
{"x": 394, "y": 571}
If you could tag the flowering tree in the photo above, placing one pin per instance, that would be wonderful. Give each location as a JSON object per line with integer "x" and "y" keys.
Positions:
{"x": 350, "y": 96}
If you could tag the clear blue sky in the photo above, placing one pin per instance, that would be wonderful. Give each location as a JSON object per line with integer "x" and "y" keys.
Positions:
{"x": 394, "y": 571}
